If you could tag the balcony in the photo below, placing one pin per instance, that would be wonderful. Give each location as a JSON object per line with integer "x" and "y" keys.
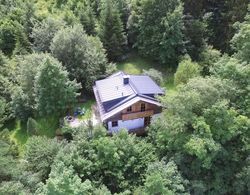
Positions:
{"x": 135, "y": 115}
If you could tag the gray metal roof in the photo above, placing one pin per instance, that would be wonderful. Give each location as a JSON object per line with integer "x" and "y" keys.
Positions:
{"x": 113, "y": 88}
{"x": 145, "y": 85}
{"x": 112, "y": 91}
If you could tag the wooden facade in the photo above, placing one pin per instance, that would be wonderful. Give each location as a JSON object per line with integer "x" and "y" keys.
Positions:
{"x": 150, "y": 109}
{"x": 134, "y": 115}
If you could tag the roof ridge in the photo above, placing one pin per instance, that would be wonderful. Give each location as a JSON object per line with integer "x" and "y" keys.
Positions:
{"x": 133, "y": 87}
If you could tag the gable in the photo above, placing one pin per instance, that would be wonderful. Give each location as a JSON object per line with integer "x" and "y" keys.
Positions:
{"x": 135, "y": 102}
{"x": 136, "y": 107}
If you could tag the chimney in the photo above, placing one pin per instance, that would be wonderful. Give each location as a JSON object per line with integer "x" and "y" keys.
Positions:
{"x": 125, "y": 79}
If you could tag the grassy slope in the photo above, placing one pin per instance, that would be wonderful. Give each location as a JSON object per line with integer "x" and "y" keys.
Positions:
{"x": 46, "y": 127}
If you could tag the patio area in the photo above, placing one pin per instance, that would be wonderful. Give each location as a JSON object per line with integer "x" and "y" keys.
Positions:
{"x": 90, "y": 115}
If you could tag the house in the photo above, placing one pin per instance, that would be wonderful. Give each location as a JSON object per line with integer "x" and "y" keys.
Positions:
{"x": 127, "y": 101}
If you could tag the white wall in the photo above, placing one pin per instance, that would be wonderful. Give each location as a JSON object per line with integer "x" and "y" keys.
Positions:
{"x": 129, "y": 124}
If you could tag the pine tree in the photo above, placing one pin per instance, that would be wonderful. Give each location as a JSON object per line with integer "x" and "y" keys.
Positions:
{"x": 86, "y": 15}
{"x": 111, "y": 31}
{"x": 54, "y": 91}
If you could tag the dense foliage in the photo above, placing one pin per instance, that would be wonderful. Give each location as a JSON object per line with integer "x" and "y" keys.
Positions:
{"x": 82, "y": 55}
{"x": 206, "y": 129}
{"x": 185, "y": 71}
{"x": 52, "y": 51}
{"x": 160, "y": 27}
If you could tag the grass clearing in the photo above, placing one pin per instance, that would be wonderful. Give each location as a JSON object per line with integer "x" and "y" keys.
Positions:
{"x": 135, "y": 64}
{"x": 18, "y": 130}
{"x": 19, "y": 134}
{"x": 47, "y": 126}
{"x": 88, "y": 109}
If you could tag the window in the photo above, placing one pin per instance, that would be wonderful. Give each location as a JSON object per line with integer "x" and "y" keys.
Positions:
{"x": 129, "y": 109}
{"x": 114, "y": 123}
{"x": 143, "y": 107}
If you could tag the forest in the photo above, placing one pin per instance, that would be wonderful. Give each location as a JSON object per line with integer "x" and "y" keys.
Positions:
{"x": 52, "y": 52}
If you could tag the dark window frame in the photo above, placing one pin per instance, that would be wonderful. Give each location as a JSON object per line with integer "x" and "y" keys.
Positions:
{"x": 143, "y": 107}
{"x": 129, "y": 109}
{"x": 114, "y": 123}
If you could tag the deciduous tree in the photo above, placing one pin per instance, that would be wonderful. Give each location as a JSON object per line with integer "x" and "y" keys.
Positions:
{"x": 186, "y": 70}
{"x": 43, "y": 32}
{"x": 241, "y": 40}
{"x": 82, "y": 55}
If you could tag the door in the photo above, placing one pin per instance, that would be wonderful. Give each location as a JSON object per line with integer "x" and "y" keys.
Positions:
{"x": 147, "y": 120}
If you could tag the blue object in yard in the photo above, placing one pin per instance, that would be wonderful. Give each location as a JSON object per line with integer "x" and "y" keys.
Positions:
{"x": 78, "y": 110}
{"x": 75, "y": 114}
{"x": 82, "y": 112}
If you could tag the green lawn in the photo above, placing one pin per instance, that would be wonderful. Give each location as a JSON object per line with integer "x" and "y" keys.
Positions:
{"x": 18, "y": 130}
{"x": 19, "y": 134}
{"x": 135, "y": 64}
{"x": 88, "y": 109}
{"x": 45, "y": 126}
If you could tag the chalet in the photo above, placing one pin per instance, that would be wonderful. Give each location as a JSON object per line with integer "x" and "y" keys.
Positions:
{"x": 127, "y": 101}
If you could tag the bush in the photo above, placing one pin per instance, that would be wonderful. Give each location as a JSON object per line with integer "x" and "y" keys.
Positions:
{"x": 154, "y": 74}
{"x": 186, "y": 70}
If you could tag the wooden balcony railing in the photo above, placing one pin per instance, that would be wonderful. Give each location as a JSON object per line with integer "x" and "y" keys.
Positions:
{"x": 135, "y": 115}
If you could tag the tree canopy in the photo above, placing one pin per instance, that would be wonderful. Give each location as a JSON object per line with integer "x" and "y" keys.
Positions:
{"x": 82, "y": 55}
{"x": 51, "y": 54}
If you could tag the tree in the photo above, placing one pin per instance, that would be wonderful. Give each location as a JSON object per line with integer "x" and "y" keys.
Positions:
{"x": 8, "y": 157}
{"x": 84, "y": 11}
{"x": 220, "y": 12}
{"x": 195, "y": 34}
{"x": 43, "y": 32}
{"x": 20, "y": 104}
{"x": 13, "y": 39}
{"x": 23, "y": 97}
{"x": 39, "y": 155}
{"x": 239, "y": 74}
{"x": 63, "y": 180}
{"x": 208, "y": 57}
{"x": 160, "y": 30}
{"x": 241, "y": 40}
{"x": 203, "y": 132}
{"x": 27, "y": 68}
{"x": 82, "y": 55}
{"x": 6, "y": 72}
{"x": 111, "y": 31}
{"x": 133, "y": 21}
{"x": 124, "y": 9}
{"x": 53, "y": 90}
{"x": 2, "y": 111}
{"x": 12, "y": 188}
{"x": 118, "y": 162}
{"x": 185, "y": 71}
{"x": 154, "y": 74}
{"x": 164, "y": 178}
